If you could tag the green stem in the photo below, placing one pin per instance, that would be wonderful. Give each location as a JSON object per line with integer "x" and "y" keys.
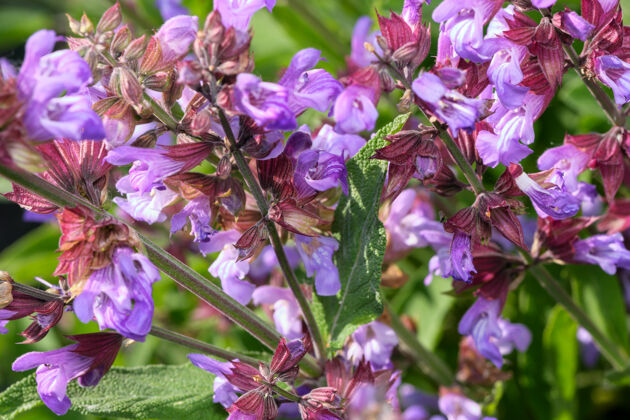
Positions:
{"x": 428, "y": 362}
{"x": 161, "y": 113}
{"x": 195, "y": 344}
{"x": 178, "y": 271}
{"x": 254, "y": 187}
{"x": 610, "y": 351}
{"x": 286, "y": 394}
{"x": 610, "y": 108}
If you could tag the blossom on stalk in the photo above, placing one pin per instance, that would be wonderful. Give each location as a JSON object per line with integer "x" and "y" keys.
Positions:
{"x": 607, "y": 251}
{"x": 238, "y": 13}
{"x": 175, "y": 37}
{"x": 614, "y": 73}
{"x": 320, "y": 171}
{"x": 232, "y": 271}
{"x": 355, "y": 110}
{"x": 447, "y": 104}
{"x": 53, "y": 88}
{"x": 554, "y": 201}
{"x": 308, "y": 87}
{"x": 493, "y": 336}
{"x": 461, "y": 260}
{"x": 286, "y": 311}
{"x": 267, "y": 103}
{"x": 575, "y": 25}
{"x": 463, "y": 23}
{"x": 344, "y": 145}
{"x": 568, "y": 159}
{"x": 118, "y": 295}
{"x": 198, "y": 212}
{"x": 360, "y": 35}
{"x": 224, "y": 392}
{"x": 505, "y": 74}
{"x": 317, "y": 255}
{"x": 456, "y": 406}
{"x": 86, "y": 361}
{"x": 374, "y": 343}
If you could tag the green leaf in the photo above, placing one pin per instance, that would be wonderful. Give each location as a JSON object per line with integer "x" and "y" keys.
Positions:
{"x": 602, "y": 299}
{"x": 362, "y": 243}
{"x": 156, "y": 391}
{"x": 561, "y": 362}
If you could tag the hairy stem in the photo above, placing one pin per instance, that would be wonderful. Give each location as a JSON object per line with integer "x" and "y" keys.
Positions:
{"x": 254, "y": 187}
{"x": 428, "y": 362}
{"x": 286, "y": 394}
{"x": 195, "y": 344}
{"x": 161, "y": 113}
{"x": 609, "y": 349}
{"x": 170, "y": 265}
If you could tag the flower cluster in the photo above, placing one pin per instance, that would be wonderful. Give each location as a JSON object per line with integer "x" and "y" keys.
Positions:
{"x": 178, "y": 131}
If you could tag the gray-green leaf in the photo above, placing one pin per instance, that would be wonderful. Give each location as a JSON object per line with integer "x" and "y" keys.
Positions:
{"x": 156, "y": 391}
{"x": 362, "y": 243}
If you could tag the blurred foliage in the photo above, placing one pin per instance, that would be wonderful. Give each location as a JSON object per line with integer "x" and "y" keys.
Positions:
{"x": 549, "y": 380}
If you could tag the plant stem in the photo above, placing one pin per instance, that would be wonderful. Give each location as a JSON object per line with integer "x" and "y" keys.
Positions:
{"x": 450, "y": 144}
{"x": 33, "y": 291}
{"x": 609, "y": 349}
{"x": 161, "y": 113}
{"x": 428, "y": 362}
{"x": 286, "y": 394}
{"x": 254, "y": 187}
{"x": 178, "y": 271}
{"x": 610, "y": 108}
{"x": 195, "y": 344}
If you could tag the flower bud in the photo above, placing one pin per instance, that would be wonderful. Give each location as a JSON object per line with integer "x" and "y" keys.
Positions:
{"x": 110, "y": 19}
{"x": 135, "y": 49}
{"x": 126, "y": 84}
{"x": 74, "y": 24}
{"x": 86, "y": 26}
{"x": 121, "y": 40}
{"x": 151, "y": 57}
{"x": 158, "y": 81}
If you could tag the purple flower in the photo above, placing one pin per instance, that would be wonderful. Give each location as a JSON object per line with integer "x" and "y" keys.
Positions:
{"x": 554, "y": 202}
{"x": 118, "y": 295}
{"x": 592, "y": 203}
{"x": 3, "y": 324}
{"x": 461, "y": 257}
{"x": 511, "y": 127}
{"x": 308, "y": 88}
{"x": 224, "y": 391}
{"x": 543, "y": 3}
{"x": 481, "y": 321}
{"x": 237, "y": 13}
{"x": 374, "y": 342}
{"x": 447, "y": 104}
{"x": 231, "y": 272}
{"x": 317, "y": 255}
{"x": 588, "y": 349}
{"x": 354, "y": 110}
{"x": 176, "y": 35}
{"x": 607, "y": 251}
{"x": 458, "y": 407}
{"x": 412, "y": 11}
{"x": 344, "y": 145}
{"x": 505, "y": 74}
{"x": 360, "y": 35}
{"x": 576, "y": 25}
{"x": 267, "y": 103}
{"x": 614, "y": 73}
{"x": 53, "y": 87}
{"x": 286, "y": 312}
{"x": 567, "y": 159}
{"x": 266, "y": 262}
{"x": 320, "y": 171}
{"x": 513, "y": 336}
{"x": 87, "y": 361}
{"x": 198, "y": 212}
{"x": 170, "y": 8}
{"x": 463, "y": 22}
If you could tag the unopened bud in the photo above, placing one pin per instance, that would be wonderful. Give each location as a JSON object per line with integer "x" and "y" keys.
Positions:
{"x": 213, "y": 29}
{"x": 135, "y": 49}
{"x": 86, "y": 26}
{"x": 224, "y": 167}
{"x": 152, "y": 56}
{"x": 110, "y": 19}
{"x": 121, "y": 40}
{"x": 146, "y": 140}
{"x": 201, "y": 122}
{"x": 74, "y": 24}
{"x": 158, "y": 81}
{"x": 126, "y": 84}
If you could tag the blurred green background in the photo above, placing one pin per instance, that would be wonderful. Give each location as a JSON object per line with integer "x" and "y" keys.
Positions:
{"x": 549, "y": 380}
